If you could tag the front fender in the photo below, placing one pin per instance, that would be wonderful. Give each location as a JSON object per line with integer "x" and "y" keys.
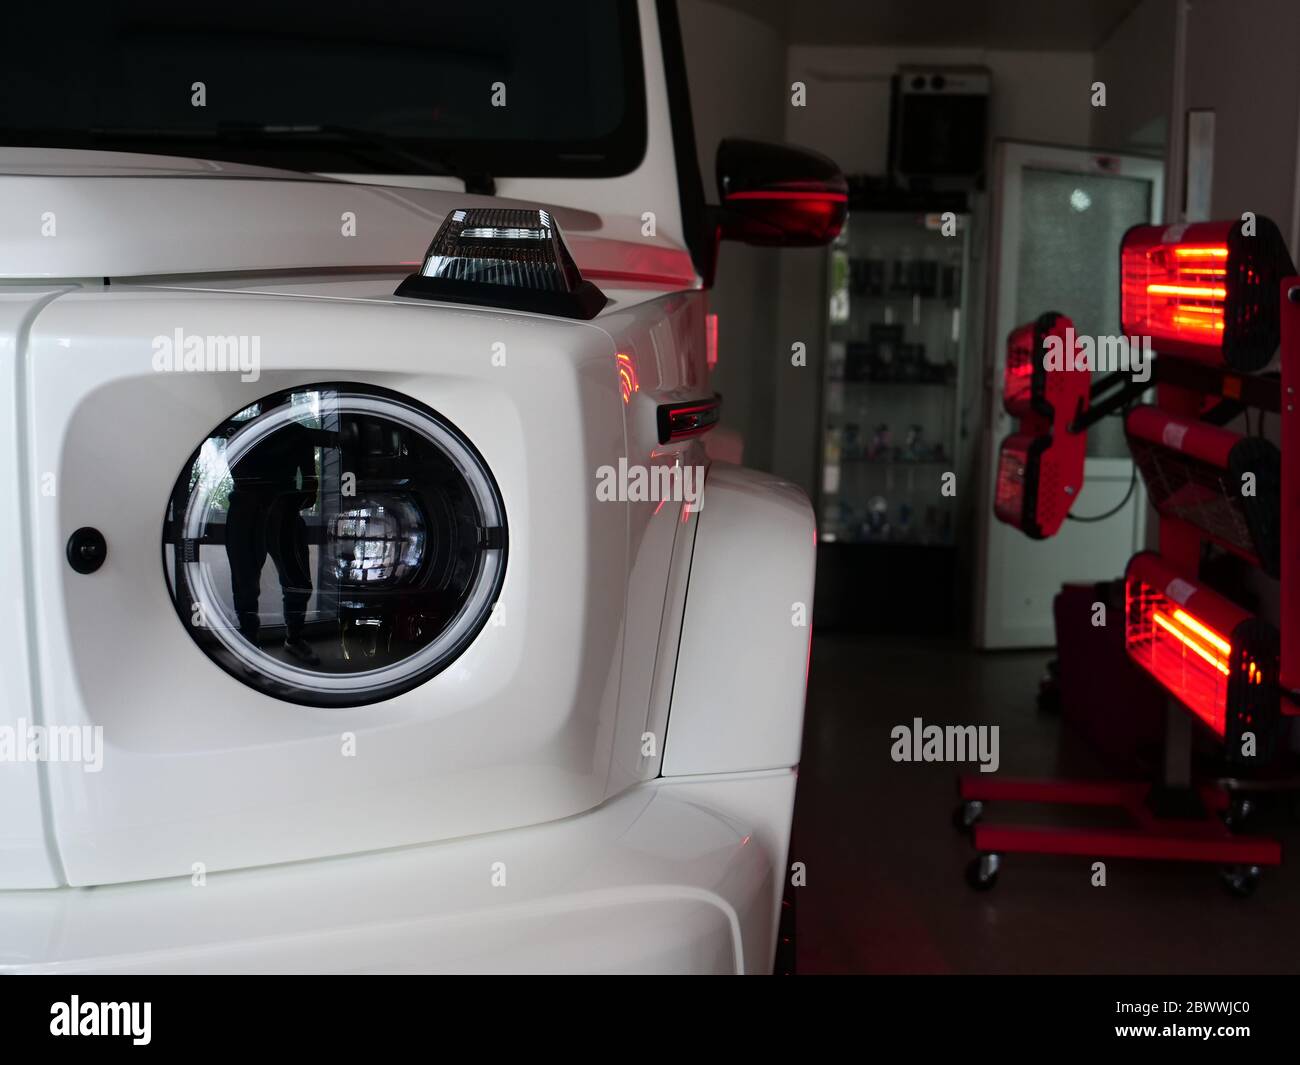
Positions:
{"x": 742, "y": 664}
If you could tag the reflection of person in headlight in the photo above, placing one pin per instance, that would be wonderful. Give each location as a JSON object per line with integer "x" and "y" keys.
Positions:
{"x": 273, "y": 483}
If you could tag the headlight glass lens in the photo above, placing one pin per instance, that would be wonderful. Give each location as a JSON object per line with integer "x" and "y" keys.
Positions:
{"x": 334, "y": 545}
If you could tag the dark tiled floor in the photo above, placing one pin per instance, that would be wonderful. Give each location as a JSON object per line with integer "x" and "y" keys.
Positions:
{"x": 885, "y": 891}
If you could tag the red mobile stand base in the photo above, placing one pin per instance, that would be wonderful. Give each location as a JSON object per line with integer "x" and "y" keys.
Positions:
{"x": 1196, "y": 839}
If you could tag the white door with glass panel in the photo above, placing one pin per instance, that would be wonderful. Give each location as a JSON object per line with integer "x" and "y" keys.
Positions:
{"x": 1058, "y": 216}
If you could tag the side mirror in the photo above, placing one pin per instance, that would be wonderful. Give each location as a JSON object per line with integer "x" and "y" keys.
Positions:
{"x": 779, "y": 196}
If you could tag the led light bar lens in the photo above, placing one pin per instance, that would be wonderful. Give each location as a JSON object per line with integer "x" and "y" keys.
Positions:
{"x": 503, "y": 257}
{"x": 501, "y": 246}
{"x": 502, "y": 233}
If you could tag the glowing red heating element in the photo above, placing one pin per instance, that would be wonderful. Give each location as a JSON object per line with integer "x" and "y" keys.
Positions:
{"x": 1217, "y": 659}
{"x": 1040, "y": 466}
{"x": 1205, "y": 290}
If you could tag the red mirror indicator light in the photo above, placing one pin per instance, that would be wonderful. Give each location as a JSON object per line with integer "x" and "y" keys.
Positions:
{"x": 778, "y": 195}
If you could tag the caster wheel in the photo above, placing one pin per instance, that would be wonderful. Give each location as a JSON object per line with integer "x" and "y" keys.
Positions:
{"x": 1238, "y": 813}
{"x": 982, "y": 873}
{"x": 1240, "y": 880}
{"x": 966, "y": 814}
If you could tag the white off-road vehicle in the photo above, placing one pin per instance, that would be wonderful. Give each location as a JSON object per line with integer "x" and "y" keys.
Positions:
{"x": 368, "y": 599}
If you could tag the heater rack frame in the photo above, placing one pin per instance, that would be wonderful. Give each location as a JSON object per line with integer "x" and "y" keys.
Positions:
{"x": 1176, "y": 821}
{"x": 1257, "y": 391}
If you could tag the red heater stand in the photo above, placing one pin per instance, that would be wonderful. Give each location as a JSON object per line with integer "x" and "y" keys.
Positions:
{"x": 1214, "y": 301}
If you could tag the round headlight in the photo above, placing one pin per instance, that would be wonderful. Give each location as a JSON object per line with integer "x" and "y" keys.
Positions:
{"x": 334, "y": 545}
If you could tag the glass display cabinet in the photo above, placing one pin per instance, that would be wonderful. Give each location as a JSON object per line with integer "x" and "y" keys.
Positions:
{"x": 891, "y": 423}
{"x": 891, "y": 403}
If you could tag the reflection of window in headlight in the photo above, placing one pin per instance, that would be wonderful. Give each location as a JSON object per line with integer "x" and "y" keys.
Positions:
{"x": 377, "y": 542}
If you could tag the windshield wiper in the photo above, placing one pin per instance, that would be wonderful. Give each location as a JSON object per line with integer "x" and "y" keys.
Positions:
{"x": 381, "y": 144}
{"x": 483, "y": 184}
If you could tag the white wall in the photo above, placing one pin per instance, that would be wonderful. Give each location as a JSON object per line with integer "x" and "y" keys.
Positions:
{"x": 1038, "y": 96}
{"x": 1136, "y": 64}
{"x": 1243, "y": 61}
{"x": 736, "y": 68}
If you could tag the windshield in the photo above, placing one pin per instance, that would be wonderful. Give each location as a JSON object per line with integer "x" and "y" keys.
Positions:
{"x": 503, "y": 87}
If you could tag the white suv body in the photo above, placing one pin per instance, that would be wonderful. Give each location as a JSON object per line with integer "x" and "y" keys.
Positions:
{"x": 600, "y": 779}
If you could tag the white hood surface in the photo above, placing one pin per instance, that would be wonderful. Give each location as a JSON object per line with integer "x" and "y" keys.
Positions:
{"x": 71, "y": 214}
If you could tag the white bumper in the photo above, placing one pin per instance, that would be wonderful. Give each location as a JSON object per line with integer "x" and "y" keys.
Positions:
{"x": 680, "y": 876}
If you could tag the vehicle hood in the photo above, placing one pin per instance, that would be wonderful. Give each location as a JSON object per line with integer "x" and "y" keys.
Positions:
{"x": 82, "y": 214}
